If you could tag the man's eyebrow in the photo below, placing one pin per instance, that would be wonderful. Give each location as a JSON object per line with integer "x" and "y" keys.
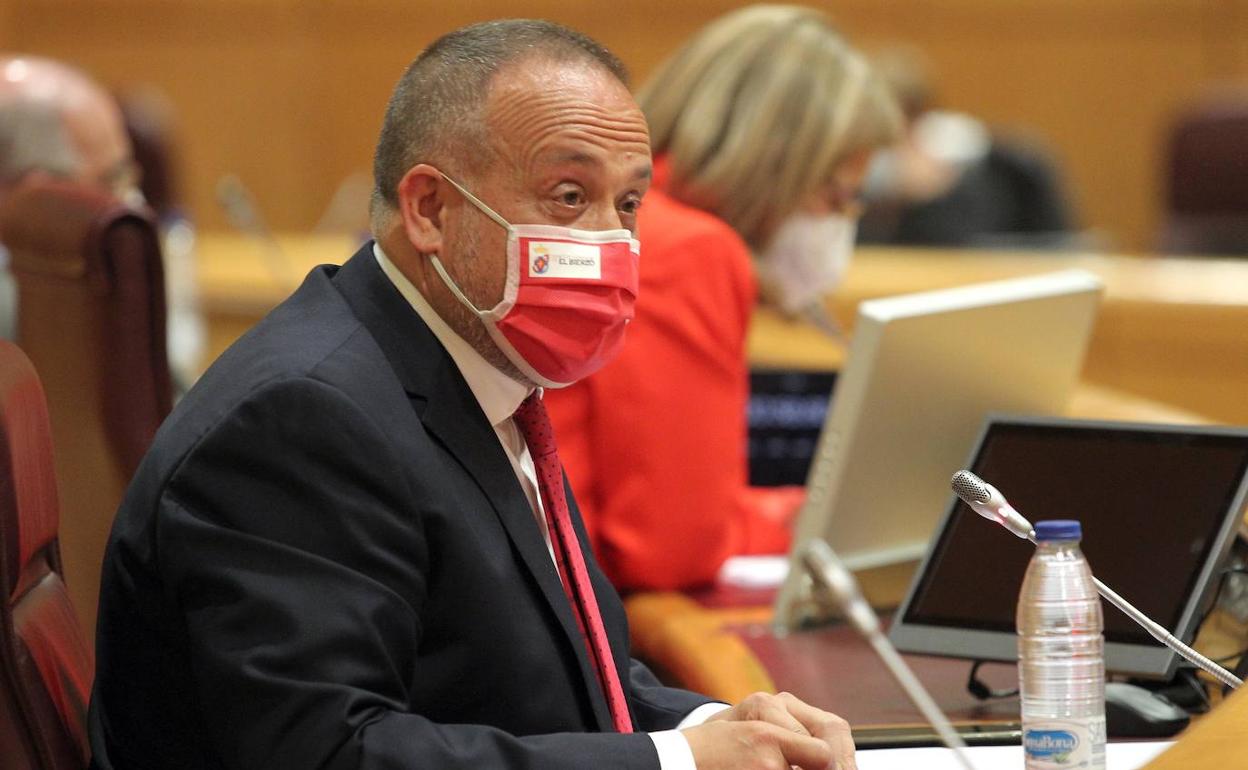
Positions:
{"x": 579, "y": 158}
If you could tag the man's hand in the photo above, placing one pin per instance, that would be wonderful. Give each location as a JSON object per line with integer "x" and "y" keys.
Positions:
{"x": 772, "y": 732}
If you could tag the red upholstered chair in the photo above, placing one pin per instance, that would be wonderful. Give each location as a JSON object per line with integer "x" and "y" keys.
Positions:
{"x": 45, "y": 665}
{"x": 91, "y": 316}
{"x": 1207, "y": 180}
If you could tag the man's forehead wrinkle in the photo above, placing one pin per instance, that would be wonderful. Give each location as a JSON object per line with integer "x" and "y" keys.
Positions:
{"x": 535, "y": 137}
{"x": 529, "y": 112}
{"x": 525, "y": 112}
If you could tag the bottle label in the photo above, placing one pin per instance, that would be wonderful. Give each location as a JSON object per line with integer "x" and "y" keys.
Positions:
{"x": 1052, "y": 744}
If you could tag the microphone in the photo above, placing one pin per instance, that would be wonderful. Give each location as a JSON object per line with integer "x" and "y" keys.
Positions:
{"x": 244, "y": 215}
{"x": 985, "y": 500}
{"x": 830, "y": 573}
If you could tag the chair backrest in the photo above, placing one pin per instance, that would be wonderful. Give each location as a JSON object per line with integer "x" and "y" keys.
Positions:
{"x": 145, "y": 114}
{"x": 1207, "y": 179}
{"x": 91, "y": 316}
{"x": 45, "y": 664}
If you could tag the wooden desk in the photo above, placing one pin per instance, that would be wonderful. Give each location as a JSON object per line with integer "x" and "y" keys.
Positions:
{"x": 835, "y": 669}
{"x": 242, "y": 278}
{"x": 1173, "y": 331}
{"x": 730, "y": 652}
{"x": 1170, "y": 330}
{"x": 1214, "y": 742}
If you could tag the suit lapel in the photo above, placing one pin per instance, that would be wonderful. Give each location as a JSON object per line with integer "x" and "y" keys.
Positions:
{"x": 476, "y": 446}
{"x": 452, "y": 415}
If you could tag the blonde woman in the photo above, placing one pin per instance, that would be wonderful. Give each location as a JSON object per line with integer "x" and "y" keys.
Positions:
{"x": 762, "y": 126}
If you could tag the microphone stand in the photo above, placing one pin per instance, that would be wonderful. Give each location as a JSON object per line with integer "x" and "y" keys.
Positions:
{"x": 985, "y": 500}
{"x": 1163, "y": 635}
{"x": 830, "y": 573}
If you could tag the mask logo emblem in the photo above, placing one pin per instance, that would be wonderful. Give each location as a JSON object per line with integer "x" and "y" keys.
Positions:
{"x": 541, "y": 262}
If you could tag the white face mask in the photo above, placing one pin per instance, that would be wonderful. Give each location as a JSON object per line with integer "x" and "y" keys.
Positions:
{"x": 806, "y": 259}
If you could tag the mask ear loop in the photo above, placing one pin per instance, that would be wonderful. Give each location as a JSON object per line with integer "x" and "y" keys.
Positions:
{"x": 454, "y": 287}
{"x": 474, "y": 200}
{"x": 437, "y": 263}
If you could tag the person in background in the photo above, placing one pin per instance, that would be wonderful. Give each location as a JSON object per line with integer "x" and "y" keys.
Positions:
{"x": 56, "y": 121}
{"x": 762, "y": 125}
{"x": 949, "y": 181}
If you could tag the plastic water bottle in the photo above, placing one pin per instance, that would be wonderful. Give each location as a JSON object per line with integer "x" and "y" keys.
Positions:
{"x": 1061, "y": 663}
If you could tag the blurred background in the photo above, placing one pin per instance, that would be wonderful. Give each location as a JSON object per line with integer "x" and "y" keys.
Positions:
{"x": 1105, "y": 135}
{"x": 288, "y": 94}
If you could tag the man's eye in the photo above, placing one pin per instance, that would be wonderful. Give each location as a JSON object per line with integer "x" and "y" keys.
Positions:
{"x": 630, "y": 206}
{"x": 571, "y": 197}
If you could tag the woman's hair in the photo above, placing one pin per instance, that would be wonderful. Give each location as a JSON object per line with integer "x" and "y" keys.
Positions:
{"x": 758, "y": 109}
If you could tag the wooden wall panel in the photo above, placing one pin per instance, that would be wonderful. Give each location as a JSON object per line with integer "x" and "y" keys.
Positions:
{"x": 1098, "y": 90}
{"x": 289, "y": 93}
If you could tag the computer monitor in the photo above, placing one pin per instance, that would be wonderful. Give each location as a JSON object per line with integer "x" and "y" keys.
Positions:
{"x": 1159, "y": 506}
{"x": 787, "y": 410}
{"x": 922, "y": 372}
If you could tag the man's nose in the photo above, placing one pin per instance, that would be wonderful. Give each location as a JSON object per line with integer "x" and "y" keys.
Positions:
{"x": 603, "y": 216}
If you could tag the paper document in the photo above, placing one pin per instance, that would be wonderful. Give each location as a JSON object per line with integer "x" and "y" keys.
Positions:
{"x": 754, "y": 571}
{"x": 1118, "y": 756}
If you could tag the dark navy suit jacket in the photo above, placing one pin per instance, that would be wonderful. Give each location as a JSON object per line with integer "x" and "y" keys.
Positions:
{"x": 326, "y": 561}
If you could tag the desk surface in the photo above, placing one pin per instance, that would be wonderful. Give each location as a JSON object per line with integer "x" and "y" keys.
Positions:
{"x": 1118, "y": 756}
{"x": 1213, "y": 742}
{"x": 837, "y": 670}
{"x": 1180, "y": 285}
{"x": 237, "y": 270}
{"x": 1169, "y": 329}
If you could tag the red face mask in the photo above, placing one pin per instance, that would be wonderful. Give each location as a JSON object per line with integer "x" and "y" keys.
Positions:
{"x": 568, "y": 298}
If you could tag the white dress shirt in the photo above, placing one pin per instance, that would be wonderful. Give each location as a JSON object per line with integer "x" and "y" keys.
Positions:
{"x": 499, "y": 396}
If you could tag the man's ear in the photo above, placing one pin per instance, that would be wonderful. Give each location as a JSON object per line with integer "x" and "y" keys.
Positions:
{"x": 420, "y": 207}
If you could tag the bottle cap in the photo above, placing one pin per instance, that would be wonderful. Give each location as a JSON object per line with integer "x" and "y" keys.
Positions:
{"x": 1058, "y": 529}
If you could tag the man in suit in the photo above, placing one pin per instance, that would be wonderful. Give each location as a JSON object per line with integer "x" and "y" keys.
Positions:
{"x": 343, "y": 550}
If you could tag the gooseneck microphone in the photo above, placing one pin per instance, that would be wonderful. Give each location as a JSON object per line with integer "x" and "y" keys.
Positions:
{"x": 985, "y": 500}
{"x": 830, "y": 573}
{"x": 244, "y": 215}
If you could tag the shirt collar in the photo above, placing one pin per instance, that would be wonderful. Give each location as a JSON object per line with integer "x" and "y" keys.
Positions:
{"x": 498, "y": 394}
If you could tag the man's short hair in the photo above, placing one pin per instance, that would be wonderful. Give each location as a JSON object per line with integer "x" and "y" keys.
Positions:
{"x": 436, "y": 107}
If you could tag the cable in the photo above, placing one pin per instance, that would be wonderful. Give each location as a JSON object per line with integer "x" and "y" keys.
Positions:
{"x": 981, "y": 689}
{"x": 1227, "y": 572}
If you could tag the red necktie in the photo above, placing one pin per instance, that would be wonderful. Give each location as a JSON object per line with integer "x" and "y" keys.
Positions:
{"x": 534, "y": 425}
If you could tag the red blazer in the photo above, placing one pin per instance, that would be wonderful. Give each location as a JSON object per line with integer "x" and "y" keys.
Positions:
{"x": 655, "y": 443}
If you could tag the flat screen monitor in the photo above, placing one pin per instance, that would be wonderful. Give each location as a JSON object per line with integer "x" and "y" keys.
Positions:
{"x": 1159, "y": 506}
{"x": 786, "y": 413}
{"x": 923, "y": 371}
